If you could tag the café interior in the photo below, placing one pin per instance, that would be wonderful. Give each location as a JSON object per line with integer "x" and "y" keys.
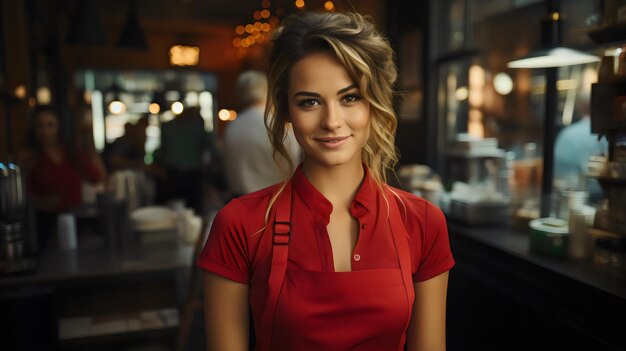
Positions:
{"x": 511, "y": 119}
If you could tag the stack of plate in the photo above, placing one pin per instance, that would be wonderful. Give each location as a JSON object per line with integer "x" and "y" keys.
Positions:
{"x": 153, "y": 219}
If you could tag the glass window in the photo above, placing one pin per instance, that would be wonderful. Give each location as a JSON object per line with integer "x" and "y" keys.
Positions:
{"x": 482, "y": 97}
{"x": 158, "y": 95}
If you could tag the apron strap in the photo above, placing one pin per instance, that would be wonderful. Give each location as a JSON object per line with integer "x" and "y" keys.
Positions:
{"x": 281, "y": 230}
{"x": 401, "y": 241}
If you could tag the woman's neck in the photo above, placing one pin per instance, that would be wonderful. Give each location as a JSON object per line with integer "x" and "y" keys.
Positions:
{"x": 338, "y": 184}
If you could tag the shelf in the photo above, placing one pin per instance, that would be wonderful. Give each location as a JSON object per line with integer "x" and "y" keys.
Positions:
{"x": 152, "y": 335}
{"x": 115, "y": 328}
{"x": 608, "y": 180}
{"x": 476, "y": 153}
{"x": 609, "y": 34}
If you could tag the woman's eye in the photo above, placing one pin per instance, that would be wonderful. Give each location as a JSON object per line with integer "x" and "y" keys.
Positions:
{"x": 351, "y": 98}
{"x": 308, "y": 103}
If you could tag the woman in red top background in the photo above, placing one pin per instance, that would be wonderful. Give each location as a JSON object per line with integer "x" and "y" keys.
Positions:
{"x": 333, "y": 258}
{"x": 55, "y": 169}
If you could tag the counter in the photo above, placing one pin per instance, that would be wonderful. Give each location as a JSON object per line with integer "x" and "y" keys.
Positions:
{"x": 502, "y": 295}
{"x": 96, "y": 297}
{"x": 92, "y": 260}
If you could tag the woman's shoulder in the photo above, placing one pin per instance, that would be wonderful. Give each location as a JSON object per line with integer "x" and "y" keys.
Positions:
{"x": 248, "y": 211}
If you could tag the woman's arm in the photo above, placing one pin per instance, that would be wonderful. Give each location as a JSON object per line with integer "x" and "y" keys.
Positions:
{"x": 427, "y": 330}
{"x": 226, "y": 314}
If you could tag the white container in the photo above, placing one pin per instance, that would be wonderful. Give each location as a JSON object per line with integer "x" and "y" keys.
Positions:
{"x": 66, "y": 231}
{"x": 579, "y": 245}
{"x": 569, "y": 199}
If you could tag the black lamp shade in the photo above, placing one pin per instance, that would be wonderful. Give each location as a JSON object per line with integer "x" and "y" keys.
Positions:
{"x": 132, "y": 36}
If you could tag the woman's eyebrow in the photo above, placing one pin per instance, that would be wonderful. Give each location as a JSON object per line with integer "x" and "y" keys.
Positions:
{"x": 350, "y": 87}
{"x": 308, "y": 93}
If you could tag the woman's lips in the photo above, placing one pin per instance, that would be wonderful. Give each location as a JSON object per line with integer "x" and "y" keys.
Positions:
{"x": 332, "y": 142}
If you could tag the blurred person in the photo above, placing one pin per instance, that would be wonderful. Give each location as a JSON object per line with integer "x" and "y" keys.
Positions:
{"x": 129, "y": 150}
{"x": 125, "y": 160}
{"x": 574, "y": 145}
{"x": 181, "y": 154}
{"x": 56, "y": 168}
{"x": 248, "y": 151}
{"x": 332, "y": 258}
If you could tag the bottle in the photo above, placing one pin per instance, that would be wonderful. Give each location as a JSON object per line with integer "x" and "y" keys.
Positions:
{"x": 579, "y": 239}
{"x": 606, "y": 73}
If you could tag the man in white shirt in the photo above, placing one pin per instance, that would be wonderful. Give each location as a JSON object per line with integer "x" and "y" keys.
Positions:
{"x": 247, "y": 149}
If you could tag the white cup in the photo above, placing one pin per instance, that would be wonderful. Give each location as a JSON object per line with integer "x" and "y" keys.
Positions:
{"x": 66, "y": 231}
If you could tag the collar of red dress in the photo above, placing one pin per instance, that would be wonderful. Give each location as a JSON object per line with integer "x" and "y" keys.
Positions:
{"x": 365, "y": 197}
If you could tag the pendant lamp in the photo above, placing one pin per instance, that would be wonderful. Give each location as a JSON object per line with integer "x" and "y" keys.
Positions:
{"x": 550, "y": 57}
{"x": 552, "y": 54}
{"x": 132, "y": 37}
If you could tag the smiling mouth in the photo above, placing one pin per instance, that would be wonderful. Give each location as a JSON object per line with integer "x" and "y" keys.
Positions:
{"x": 332, "y": 142}
{"x": 332, "y": 139}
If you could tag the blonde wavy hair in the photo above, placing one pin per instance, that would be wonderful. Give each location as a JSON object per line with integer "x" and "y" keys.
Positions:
{"x": 369, "y": 60}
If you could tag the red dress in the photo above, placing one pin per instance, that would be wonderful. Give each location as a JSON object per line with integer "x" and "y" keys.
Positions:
{"x": 63, "y": 179}
{"x": 316, "y": 308}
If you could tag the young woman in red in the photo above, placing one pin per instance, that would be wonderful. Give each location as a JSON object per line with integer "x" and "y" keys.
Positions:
{"x": 333, "y": 258}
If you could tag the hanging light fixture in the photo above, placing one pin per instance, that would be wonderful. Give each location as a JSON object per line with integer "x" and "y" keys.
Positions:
{"x": 85, "y": 26}
{"x": 132, "y": 36}
{"x": 550, "y": 57}
{"x": 116, "y": 105}
{"x": 552, "y": 54}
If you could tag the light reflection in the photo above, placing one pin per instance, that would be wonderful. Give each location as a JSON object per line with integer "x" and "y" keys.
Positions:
{"x": 224, "y": 114}
{"x": 117, "y": 107}
{"x": 177, "y": 108}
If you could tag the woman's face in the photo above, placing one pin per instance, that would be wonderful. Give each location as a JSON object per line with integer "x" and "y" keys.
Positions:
{"x": 330, "y": 118}
{"x": 46, "y": 128}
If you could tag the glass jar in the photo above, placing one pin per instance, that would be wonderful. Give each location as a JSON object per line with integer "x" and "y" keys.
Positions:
{"x": 609, "y": 251}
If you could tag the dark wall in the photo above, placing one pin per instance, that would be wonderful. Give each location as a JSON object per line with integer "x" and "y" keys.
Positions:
{"x": 412, "y": 136}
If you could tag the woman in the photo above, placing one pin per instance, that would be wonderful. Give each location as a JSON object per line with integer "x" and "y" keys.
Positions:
{"x": 333, "y": 258}
{"x": 55, "y": 169}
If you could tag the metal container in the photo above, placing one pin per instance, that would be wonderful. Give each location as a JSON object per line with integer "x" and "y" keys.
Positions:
{"x": 11, "y": 241}
{"x": 12, "y": 194}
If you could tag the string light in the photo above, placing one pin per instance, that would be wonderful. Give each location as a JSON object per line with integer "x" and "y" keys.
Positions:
{"x": 300, "y": 4}
{"x": 20, "y": 91}
{"x": 257, "y": 32}
{"x": 329, "y": 6}
{"x": 223, "y": 114}
{"x": 154, "y": 108}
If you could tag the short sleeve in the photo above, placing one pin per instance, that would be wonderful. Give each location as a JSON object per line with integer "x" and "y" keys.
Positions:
{"x": 226, "y": 250}
{"x": 436, "y": 254}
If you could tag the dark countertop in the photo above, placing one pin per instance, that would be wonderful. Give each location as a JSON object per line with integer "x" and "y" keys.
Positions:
{"x": 92, "y": 260}
{"x": 608, "y": 279}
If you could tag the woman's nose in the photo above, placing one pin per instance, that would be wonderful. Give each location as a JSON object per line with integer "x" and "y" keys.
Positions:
{"x": 332, "y": 118}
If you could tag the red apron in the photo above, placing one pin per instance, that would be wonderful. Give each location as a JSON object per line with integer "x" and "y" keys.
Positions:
{"x": 359, "y": 310}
